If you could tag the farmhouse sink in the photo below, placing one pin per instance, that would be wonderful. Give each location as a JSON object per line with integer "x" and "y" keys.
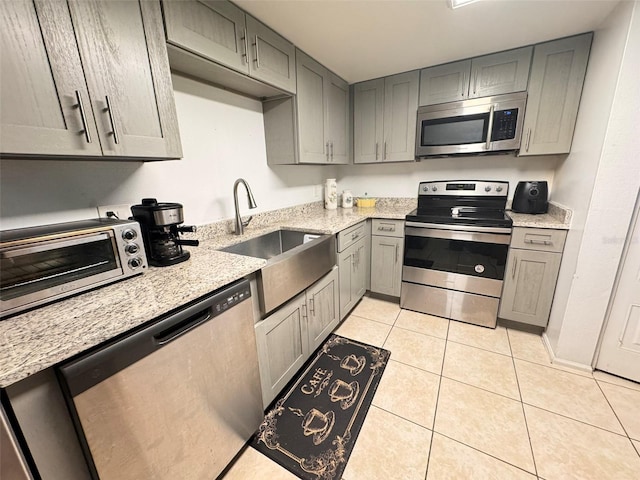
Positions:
{"x": 295, "y": 260}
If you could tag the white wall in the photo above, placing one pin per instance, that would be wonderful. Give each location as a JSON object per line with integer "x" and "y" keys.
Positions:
{"x": 401, "y": 179}
{"x": 222, "y": 139}
{"x": 599, "y": 180}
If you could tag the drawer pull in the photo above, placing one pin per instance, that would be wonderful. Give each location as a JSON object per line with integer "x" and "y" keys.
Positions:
{"x": 386, "y": 229}
{"x": 537, "y": 242}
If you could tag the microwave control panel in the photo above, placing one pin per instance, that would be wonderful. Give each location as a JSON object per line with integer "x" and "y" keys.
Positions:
{"x": 504, "y": 124}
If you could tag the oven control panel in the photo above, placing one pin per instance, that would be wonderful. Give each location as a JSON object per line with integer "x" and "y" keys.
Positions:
{"x": 474, "y": 188}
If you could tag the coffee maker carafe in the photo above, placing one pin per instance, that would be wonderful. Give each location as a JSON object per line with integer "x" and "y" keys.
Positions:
{"x": 160, "y": 224}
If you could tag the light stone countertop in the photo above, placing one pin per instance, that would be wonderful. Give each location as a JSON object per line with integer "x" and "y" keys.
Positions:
{"x": 557, "y": 217}
{"x": 38, "y": 339}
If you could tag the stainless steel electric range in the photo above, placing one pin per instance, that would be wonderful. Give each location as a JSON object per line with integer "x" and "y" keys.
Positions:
{"x": 456, "y": 245}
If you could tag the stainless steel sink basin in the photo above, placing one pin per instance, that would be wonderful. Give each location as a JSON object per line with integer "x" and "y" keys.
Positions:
{"x": 292, "y": 264}
{"x": 269, "y": 245}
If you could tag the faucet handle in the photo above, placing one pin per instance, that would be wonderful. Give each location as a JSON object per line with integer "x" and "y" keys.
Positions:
{"x": 246, "y": 222}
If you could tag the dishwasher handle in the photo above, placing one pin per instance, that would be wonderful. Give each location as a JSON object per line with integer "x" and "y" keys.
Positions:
{"x": 179, "y": 329}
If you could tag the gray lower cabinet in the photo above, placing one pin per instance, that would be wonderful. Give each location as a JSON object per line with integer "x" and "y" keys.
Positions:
{"x": 494, "y": 74}
{"x": 286, "y": 338}
{"x": 531, "y": 274}
{"x": 221, "y": 32}
{"x": 353, "y": 263}
{"x": 313, "y": 126}
{"x": 555, "y": 87}
{"x": 387, "y": 250}
{"x": 384, "y": 119}
{"x": 88, "y": 78}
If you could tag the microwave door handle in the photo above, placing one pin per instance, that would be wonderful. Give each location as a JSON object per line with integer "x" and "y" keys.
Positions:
{"x": 490, "y": 128}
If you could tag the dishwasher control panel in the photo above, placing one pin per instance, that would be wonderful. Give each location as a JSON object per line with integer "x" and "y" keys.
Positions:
{"x": 234, "y": 296}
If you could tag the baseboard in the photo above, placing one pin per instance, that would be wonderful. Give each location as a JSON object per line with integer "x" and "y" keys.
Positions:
{"x": 562, "y": 362}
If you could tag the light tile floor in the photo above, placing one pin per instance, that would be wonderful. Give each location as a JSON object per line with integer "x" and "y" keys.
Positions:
{"x": 458, "y": 401}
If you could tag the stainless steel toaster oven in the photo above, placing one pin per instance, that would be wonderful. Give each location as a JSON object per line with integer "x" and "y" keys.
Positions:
{"x": 46, "y": 263}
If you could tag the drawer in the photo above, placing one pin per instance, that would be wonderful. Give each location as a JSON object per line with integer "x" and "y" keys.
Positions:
{"x": 388, "y": 228}
{"x": 543, "y": 239}
{"x": 351, "y": 235}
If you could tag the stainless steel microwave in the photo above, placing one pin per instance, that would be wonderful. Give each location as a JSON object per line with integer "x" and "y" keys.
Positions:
{"x": 480, "y": 125}
{"x": 46, "y": 263}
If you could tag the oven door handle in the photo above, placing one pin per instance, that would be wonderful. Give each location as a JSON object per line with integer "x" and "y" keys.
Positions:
{"x": 462, "y": 228}
{"x": 457, "y": 235}
{"x": 54, "y": 245}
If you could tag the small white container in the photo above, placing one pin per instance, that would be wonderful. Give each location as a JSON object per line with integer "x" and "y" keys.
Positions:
{"x": 347, "y": 199}
{"x": 330, "y": 194}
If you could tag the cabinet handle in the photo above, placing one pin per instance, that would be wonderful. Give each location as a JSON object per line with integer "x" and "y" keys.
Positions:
{"x": 312, "y": 305}
{"x": 513, "y": 270}
{"x": 528, "y": 139}
{"x": 257, "y": 53}
{"x": 490, "y": 127}
{"x": 303, "y": 311}
{"x": 332, "y": 150}
{"x": 397, "y": 252}
{"x": 109, "y": 109}
{"x": 385, "y": 150}
{"x": 475, "y": 82}
{"x": 464, "y": 82}
{"x": 245, "y": 40}
{"x": 386, "y": 229}
{"x": 83, "y": 117}
{"x": 537, "y": 242}
{"x": 376, "y": 150}
{"x": 327, "y": 147}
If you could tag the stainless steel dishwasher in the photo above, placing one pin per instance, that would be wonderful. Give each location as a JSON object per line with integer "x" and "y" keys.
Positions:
{"x": 176, "y": 399}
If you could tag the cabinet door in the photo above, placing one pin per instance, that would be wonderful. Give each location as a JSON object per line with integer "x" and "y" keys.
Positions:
{"x": 359, "y": 279}
{"x": 311, "y": 103}
{"x": 400, "y": 107}
{"x": 338, "y": 119}
{"x": 322, "y": 304}
{"x": 272, "y": 59}
{"x": 445, "y": 83}
{"x": 386, "y": 265}
{"x": 529, "y": 284}
{"x": 347, "y": 268}
{"x": 45, "y": 106}
{"x": 555, "y": 87}
{"x": 283, "y": 346}
{"x": 123, "y": 52}
{"x": 368, "y": 118}
{"x": 504, "y": 72}
{"x": 212, "y": 29}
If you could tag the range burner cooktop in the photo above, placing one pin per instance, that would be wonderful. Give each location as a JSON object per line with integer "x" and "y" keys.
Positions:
{"x": 465, "y": 202}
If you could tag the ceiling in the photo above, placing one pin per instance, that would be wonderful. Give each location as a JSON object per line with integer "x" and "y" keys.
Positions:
{"x": 365, "y": 39}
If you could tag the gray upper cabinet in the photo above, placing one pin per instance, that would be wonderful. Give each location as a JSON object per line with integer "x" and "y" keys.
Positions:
{"x": 127, "y": 109}
{"x": 445, "y": 83}
{"x": 313, "y": 126}
{"x": 221, "y": 32}
{"x": 503, "y": 72}
{"x": 555, "y": 87}
{"x": 213, "y": 29}
{"x": 42, "y": 84}
{"x": 384, "y": 119}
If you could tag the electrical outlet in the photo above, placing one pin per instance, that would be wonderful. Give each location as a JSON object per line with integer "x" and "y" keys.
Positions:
{"x": 317, "y": 191}
{"x": 122, "y": 211}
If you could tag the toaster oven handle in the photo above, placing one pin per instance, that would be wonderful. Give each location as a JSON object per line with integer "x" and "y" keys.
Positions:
{"x": 54, "y": 244}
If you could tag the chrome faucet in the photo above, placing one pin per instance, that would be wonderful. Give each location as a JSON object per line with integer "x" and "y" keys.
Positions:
{"x": 252, "y": 204}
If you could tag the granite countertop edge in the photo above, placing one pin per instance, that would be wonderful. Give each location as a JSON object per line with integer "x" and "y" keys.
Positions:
{"x": 46, "y": 336}
{"x": 557, "y": 217}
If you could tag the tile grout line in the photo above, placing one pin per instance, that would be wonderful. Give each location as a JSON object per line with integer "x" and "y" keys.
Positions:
{"x": 524, "y": 413}
{"x": 435, "y": 411}
{"x": 614, "y": 411}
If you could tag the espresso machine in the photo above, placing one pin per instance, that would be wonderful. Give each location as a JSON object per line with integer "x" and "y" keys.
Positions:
{"x": 161, "y": 228}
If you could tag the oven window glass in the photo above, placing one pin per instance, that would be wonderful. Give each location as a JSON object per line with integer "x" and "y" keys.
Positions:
{"x": 478, "y": 259}
{"x": 33, "y": 272}
{"x": 455, "y": 130}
